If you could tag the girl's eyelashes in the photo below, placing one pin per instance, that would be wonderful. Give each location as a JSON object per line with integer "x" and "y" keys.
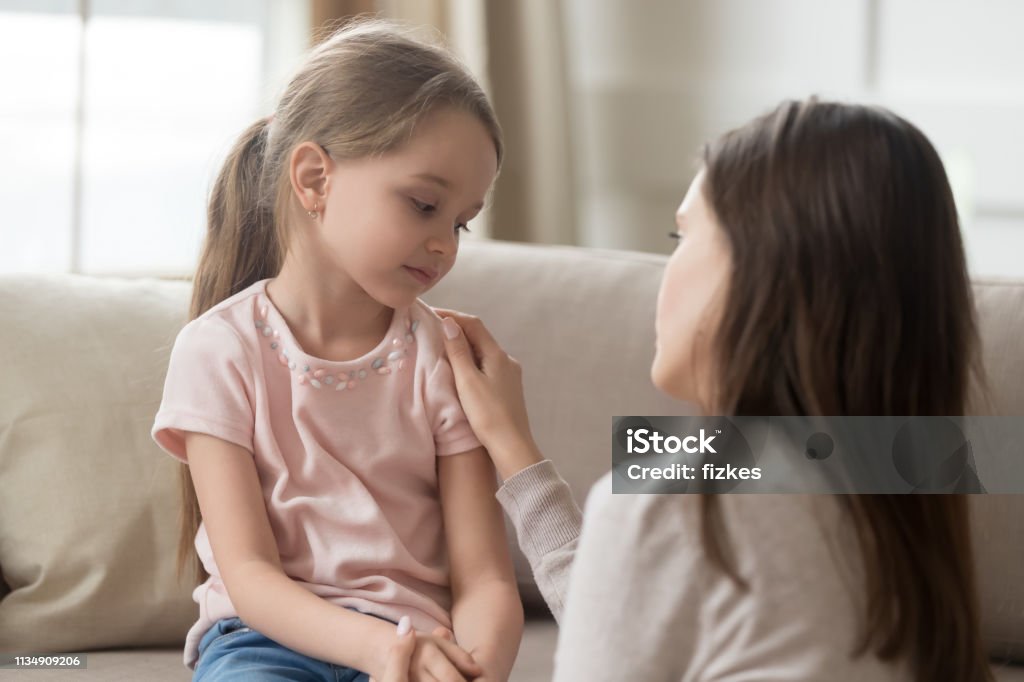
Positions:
{"x": 676, "y": 235}
{"x": 424, "y": 207}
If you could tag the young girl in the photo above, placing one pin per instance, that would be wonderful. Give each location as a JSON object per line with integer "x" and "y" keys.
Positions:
{"x": 339, "y": 484}
{"x": 820, "y": 272}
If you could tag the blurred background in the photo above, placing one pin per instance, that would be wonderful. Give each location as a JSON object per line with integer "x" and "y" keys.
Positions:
{"x": 115, "y": 114}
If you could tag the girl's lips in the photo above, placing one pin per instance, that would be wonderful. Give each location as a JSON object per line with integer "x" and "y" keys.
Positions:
{"x": 422, "y": 276}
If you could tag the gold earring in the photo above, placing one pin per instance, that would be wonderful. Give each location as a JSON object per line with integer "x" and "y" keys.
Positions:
{"x": 312, "y": 214}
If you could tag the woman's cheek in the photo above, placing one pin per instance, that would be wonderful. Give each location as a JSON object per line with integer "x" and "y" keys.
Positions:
{"x": 668, "y": 368}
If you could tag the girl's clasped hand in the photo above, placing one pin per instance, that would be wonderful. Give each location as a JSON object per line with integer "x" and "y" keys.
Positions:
{"x": 414, "y": 657}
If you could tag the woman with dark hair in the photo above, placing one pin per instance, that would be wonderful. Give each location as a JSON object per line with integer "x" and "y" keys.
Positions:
{"x": 820, "y": 272}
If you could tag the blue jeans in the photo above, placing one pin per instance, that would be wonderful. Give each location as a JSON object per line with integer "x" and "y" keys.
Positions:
{"x": 231, "y": 650}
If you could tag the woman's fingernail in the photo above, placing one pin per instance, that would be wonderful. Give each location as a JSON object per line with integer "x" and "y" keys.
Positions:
{"x": 451, "y": 327}
{"x": 404, "y": 625}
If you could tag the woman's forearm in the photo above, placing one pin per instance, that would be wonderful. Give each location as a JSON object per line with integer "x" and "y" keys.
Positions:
{"x": 271, "y": 603}
{"x": 512, "y": 454}
{"x": 547, "y": 522}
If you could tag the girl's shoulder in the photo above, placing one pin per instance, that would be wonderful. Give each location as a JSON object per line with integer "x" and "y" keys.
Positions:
{"x": 223, "y": 330}
{"x": 425, "y": 325}
{"x": 244, "y": 305}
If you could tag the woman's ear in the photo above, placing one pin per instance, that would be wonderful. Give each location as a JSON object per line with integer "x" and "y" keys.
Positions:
{"x": 309, "y": 168}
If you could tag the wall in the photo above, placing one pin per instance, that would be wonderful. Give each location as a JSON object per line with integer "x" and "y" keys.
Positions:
{"x": 650, "y": 82}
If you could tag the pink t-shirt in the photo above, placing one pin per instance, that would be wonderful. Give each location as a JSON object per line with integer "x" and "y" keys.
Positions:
{"x": 345, "y": 452}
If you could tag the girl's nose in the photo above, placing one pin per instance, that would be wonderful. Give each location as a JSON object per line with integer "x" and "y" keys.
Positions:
{"x": 445, "y": 244}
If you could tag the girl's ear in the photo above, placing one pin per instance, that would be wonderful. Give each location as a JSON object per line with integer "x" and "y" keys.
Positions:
{"x": 309, "y": 168}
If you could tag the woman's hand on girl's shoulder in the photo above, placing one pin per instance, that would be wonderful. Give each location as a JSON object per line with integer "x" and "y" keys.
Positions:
{"x": 490, "y": 386}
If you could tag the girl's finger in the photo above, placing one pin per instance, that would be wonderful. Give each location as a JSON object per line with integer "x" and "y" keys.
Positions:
{"x": 445, "y": 671}
{"x": 443, "y": 633}
{"x": 460, "y": 658}
{"x": 400, "y": 654}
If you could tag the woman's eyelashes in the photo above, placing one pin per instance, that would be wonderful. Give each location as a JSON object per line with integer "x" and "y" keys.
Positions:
{"x": 676, "y": 235}
{"x": 427, "y": 208}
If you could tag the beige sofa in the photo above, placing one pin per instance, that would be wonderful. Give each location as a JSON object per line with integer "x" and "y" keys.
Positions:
{"x": 88, "y": 503}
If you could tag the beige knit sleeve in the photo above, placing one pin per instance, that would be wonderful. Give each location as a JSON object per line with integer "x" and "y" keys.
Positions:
{"x": 547, "y": 522}
{"x": 633, "y": 610}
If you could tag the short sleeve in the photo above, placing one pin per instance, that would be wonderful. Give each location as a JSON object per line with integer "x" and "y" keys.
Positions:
{"x": 452, "y": 433}
{"x": 207, "y": 389}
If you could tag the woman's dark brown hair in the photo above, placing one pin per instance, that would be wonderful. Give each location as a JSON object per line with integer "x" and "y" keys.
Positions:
{"x": 849, "y": 295}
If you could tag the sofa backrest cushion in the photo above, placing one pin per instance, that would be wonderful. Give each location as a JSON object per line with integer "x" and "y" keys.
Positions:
{"x": 88, "y": 509}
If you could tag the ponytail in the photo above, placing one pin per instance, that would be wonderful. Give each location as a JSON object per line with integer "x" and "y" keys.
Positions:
{"x": 241, "y": 244}
{"x": 241, "y": 247}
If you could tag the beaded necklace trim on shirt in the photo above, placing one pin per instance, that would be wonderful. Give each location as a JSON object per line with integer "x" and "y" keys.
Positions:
{"x": 341, "y": 381}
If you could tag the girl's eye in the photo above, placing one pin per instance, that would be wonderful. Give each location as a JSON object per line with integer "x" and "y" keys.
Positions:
{"x": 676, "y": 235}
{"x": 424, "y": 207}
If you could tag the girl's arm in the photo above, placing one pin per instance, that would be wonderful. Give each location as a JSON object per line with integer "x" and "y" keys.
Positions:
{"x": 487, "y": 614}
{"x": 235, "y": 515}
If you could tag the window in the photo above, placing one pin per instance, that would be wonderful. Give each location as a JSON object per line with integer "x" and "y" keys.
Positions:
{"x": 115, "y": 117}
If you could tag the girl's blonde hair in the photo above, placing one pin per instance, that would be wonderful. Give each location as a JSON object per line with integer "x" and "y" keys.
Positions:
{"x": 359, "y": 93}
